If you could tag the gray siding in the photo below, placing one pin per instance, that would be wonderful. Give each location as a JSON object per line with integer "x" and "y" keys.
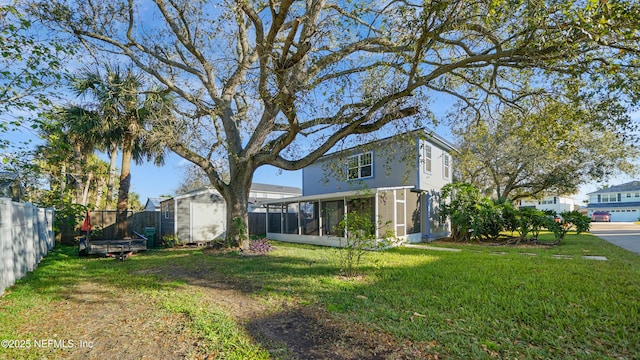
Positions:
{"x": 184, "y": 213}
{"x": 394, "y": 164}
{"x": 213, "y": 220}
{"x": 434, "y": 179}
{"x": 167, "y": 217}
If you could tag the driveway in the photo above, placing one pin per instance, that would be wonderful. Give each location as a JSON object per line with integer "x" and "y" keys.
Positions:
{"x": 623, "y": 234}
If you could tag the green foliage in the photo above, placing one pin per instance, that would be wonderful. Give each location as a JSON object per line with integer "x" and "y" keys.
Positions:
{"x": 459, "y": 203}
{"x": 548, "y": 145}
{"x": 67, "y": 215}
{"x": 569, "y": 221}
{"x": 169, "y": 241}
{"x": 30, "y": 67}
{"x": 476, "y": 217}
{"x": 360, "y": 238}
{"x": 487, "y": 220}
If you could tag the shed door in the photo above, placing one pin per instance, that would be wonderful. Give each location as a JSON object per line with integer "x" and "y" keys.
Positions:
{"x": 207, "y": 221}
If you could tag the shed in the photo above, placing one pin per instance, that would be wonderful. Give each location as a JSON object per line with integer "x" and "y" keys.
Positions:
{"x": 194, "y": 217}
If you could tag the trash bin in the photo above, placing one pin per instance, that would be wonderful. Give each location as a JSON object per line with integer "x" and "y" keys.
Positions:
{"x": 150, "y": 234}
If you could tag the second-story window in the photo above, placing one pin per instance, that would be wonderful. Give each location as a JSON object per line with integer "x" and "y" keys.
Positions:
{"x": 427, "y": 158}
{"x": 446, "y": 166}
{"x": 360, "y": 166}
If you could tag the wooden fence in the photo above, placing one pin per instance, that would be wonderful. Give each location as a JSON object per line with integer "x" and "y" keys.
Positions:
{"x": 26, "y": 236}
{"x": 103, "y": 225}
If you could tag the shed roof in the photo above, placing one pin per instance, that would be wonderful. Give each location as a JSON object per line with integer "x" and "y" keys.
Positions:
{"x": 630, "y": 186}
{"x": 276, "y": 188}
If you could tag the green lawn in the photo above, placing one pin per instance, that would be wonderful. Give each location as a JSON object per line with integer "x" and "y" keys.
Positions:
{"x": 482, "y": 302}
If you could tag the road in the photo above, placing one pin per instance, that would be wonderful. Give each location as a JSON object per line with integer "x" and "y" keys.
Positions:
{"x": 623, "y": 234}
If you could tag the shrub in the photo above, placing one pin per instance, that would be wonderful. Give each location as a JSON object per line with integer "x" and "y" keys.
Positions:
{"x": 169, "y": 241}
{"x": 569, "y": 220}
{"x": 260, "y": 246}
{"x": 359, "y": 228}
{"x": 460, "y": 202}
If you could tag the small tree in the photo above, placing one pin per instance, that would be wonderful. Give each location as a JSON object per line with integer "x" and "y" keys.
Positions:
{"x": 530, "y": 221}
{"x": 359, "y": 231}
{"x": 569, "y": 220}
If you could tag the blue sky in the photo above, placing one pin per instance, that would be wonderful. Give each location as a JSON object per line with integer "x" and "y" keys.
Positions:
{"x": 152, "y": 181}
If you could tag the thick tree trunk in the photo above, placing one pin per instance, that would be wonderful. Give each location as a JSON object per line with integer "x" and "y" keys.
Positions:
{"x": 123, "y": 191}
{"x": 236, "y": 196}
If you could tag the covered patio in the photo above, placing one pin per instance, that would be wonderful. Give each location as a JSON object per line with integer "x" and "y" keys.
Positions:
{"x": 313, "y": 219}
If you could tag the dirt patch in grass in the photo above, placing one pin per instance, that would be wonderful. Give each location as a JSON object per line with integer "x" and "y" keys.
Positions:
{"x": 296, "y": 332}
{"x": 98, "y": 322}
{"x": 101, "y": 321}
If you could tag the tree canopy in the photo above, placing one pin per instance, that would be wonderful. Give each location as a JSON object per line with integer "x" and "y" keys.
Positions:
{"x": 283, "y": 82}
{"x": 546, "y": 147}
{"x": 30, "y": 67}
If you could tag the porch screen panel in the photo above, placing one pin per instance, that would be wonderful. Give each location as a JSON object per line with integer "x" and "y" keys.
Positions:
{"x": 385, "y": 212}
{"x": 401, "y": 219}
{"x": 291, "y": 219}
{"x": 309, "y": 218}
{"x": 364, "y": 206}
{"x": 332, "y": 214}
{"x": 275, "y": 218}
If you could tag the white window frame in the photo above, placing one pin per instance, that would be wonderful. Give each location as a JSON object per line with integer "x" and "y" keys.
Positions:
{"x": 427, "y": 154}
{"x": 446, "y": 166}
{"x": 360, "y": 158}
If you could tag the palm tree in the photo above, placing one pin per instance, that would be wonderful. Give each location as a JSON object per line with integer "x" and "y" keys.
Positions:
{"x": 121, "y": 106}
{"x": 69, "y": 141}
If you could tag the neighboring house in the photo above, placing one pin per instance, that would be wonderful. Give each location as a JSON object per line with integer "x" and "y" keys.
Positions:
{"x": 10, "y": 186}
{"x": 555, "y": 203}
{"x": 200, "y": 215}
{"x": 264, "y": 192}
{"x": 397, "y": 178}
{"x": 621, "y": 201}
{"x": 153, "y": 204}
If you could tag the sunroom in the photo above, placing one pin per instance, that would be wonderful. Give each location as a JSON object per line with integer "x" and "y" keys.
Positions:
{"x": 314, "y": 219}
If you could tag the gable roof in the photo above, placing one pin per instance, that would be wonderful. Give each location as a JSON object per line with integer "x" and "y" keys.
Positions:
{"x": 155, "y": 201}
{"x": 422, "y": 133}
{"x": 627, "y": 187}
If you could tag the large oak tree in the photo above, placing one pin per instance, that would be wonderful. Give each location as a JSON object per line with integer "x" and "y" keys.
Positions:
{"x": 282, "y": 82}
{"x": 547, "y": 147}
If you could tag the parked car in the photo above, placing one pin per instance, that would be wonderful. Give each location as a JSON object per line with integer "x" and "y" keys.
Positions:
{"x": 601, "y": 216}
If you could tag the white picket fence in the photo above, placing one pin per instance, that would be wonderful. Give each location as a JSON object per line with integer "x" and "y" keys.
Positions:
{"x": 26, "y": 236}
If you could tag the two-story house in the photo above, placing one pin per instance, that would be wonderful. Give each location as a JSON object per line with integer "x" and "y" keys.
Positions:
{"x": 397, "y": 179}
{"x": 621, "y": 201}
{"x": 555, "y": 203}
